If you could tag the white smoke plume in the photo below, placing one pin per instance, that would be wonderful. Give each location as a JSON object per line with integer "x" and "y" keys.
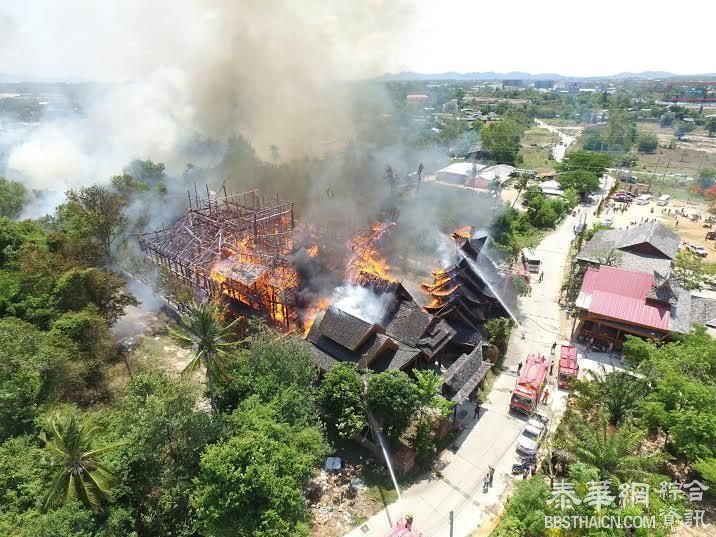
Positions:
{"x": 361, "y": 302}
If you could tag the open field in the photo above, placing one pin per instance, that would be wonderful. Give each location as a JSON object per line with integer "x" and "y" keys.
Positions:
{"x": 536, "y": 147}
{"x": 695, "y": 151}
{"x": 687, "y": 230}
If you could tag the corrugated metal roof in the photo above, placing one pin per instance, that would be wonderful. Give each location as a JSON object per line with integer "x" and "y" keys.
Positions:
{"x": 621, "y": 294}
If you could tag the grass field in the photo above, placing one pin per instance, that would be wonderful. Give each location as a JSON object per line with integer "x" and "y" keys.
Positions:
{"x": 695, "y": 151}
{"x": 534, "y": 155}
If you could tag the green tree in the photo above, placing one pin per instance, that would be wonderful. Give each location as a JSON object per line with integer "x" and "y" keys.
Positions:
{"x": 617, "y": 394}
{"x": 710, "y": 125}
{"x": 498, "y": 331}
{"x": 682, "y": 129}
{"x": 211, "y": 341}
{"x": 342, "y": 399}
{"x": 502, "y": 140}
{"x": 167, "y": 434}
{"x": 252, "y": 482}
{"x": 95, "y": 212}
{"x": 581, "y": 181}
{"x": 521, "y": 183}
{"x": 13, "y": 197}
{"x": 77, "y": 288}
{"x": 615, "y": 453}
{"x": 393, "y": 398}
{"x": 647, "y": 142}
{"x": 667, "y": 119}
{"x": 690, "y": 270}
{"x": 80, "y": 475}
{"x": 589, "y": 161}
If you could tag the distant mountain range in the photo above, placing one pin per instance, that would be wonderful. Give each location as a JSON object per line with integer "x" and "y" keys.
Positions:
{"x": 519, "y": 75}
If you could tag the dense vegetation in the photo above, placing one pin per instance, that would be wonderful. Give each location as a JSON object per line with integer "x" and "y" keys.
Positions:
{"x": 653, "y": 425}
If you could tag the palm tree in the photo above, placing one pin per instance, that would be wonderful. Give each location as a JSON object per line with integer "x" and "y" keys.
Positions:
{"x": 80, "y": 476}
{"x": 617, "y": 393}
{"x": 209, "y": 337}
{"x": 614, "y": 452}
{"x": 275, "y": 154}
{"x": 521, "y": 184}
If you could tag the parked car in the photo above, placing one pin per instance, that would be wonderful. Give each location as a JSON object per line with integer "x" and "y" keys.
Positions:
{"x": 696, "y": 249}
{"x": 531, "y": 437}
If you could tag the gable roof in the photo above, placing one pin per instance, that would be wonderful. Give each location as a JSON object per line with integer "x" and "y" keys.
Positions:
{"x": 622, "y": 294}
{"x": 664, "y": 244}
{"x": 345, "y": 329}
{"x": 408, "y": 323}
{"x": 653, "y": 233}
{"x": 464, "y": 375}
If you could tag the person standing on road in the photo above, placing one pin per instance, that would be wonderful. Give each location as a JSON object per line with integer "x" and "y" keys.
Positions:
{"x": 554, "y": 346}
{"x": 491, "y": 475}
{"x": 519, "y": 368}
{"x": 545, "y": 396}
{"x": 477, "y": 410}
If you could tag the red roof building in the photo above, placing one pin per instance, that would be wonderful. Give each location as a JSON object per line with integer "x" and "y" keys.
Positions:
{"x": 613, "y": 302}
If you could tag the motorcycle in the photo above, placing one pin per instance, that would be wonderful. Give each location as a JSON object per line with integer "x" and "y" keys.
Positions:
{"x": 519, "y": 468}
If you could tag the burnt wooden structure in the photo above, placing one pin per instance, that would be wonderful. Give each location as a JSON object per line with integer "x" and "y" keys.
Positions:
{"x": 233, "y": 246}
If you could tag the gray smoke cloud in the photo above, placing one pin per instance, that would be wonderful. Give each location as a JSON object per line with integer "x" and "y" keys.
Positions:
{"x": 273, "y": 71}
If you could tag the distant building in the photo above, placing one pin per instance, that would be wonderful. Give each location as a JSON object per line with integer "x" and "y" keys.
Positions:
{"x": 544, "y": 84}
{"x": 458, "y": 172}
{"x": 551, "y": 188}
{"x": 628, "y": 287}
{"x": 649, "y": 248}
{"x": 417, "y": 97}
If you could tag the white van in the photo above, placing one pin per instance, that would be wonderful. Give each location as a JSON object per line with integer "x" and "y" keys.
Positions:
{"x": 663, "y": 200}
{"x": 644, "y": 199}
{"x": 530, "y": 260}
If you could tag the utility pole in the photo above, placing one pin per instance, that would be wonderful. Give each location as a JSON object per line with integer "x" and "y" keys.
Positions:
{"x": 700, "y": 163}
{"x": 663, "y": 177}
{"x": 452, "y": 518}
{"x": 648, "y": 190}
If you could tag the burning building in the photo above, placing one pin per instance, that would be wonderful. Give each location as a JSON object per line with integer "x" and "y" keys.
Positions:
{"x": 472, "y": 290}
{"x": 234, "y": 247}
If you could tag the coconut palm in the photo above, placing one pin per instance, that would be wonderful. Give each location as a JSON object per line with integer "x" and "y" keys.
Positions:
{"x": 209, "y": 338}
{"x": 520, "y": 185}
{"x": 614, "y": 452}
{"x": 617, "y": 393}
{"x": 80, "y": 475}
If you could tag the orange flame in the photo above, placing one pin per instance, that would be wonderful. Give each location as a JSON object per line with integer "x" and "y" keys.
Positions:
{"x": 464, "y": 232}
{"x": 310, "y": 314}
{"x": 365, "y": 256}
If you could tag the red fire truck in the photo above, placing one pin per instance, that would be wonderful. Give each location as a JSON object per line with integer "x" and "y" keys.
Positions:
{"x": 568, "y": 366}
{"x": 529, "y": 386}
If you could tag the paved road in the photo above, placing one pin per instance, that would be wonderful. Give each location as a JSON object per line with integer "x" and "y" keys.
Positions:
{"x": 491, "y": 441}
{"x": 565, "y": 140}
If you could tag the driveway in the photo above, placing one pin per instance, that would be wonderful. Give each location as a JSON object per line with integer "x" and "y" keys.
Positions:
{"x": 491, "y": 440}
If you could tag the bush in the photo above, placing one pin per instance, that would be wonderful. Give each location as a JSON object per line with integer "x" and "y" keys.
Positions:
{"x": 647, "y": 142}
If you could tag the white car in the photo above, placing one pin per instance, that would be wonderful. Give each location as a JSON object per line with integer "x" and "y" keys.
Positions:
{"x": 529, "y": 440}
{"x": 696, "y": 249}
